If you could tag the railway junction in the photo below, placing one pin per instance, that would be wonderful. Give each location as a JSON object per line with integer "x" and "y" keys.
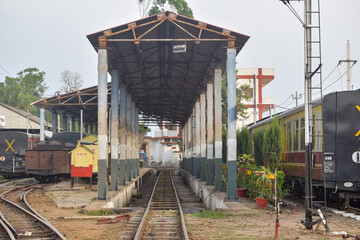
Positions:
{"x": 166, "y": 67}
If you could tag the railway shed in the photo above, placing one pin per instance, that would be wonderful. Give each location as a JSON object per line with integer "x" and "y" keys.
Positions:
{"x": 166, "y": 67}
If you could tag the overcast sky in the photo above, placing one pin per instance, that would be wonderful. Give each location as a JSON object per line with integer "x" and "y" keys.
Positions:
{"x": 51, "y": 35}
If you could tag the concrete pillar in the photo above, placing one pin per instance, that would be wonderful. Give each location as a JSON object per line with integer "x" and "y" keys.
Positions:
{"x": 218, "y": 130}
{"x": 210, "y": 134}
{"x": 72, "y": 124}
{"x": 190, "y": 151}
{"x": 42, "y": 124}
{"x": 54, "y": 122}
{"x": 102, "y": 123}
{"x": 231, "y": 130}
{"x": 91, "y": 129}
{"x": 64, "y": 122}
{"x": 183, "y": 137}
{"x": 86, "y": 128}
{"x": 122, "y": 179}
{"x": 114, "y": 129}
{"x": 203, "y": 137}
{"x": 128, "y": 137}
{"x": 133, "y": 136}
{"x": 137, "y": 142}
{"x": 197, "y": 139}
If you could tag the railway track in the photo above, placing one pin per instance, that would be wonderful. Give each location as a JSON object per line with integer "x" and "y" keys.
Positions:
{"x": 22, "y": 221}
{"x": 163, "y": 217}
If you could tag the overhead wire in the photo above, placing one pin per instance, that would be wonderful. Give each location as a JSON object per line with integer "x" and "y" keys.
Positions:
{"x": 287, "y": 3}
{"x": 5, "y": 71}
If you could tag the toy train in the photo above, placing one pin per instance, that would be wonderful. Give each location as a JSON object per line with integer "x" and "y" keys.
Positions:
{"x": 335, "y": 143}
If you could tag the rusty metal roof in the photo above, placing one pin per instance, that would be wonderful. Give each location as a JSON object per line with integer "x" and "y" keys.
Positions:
{"x": 164, "y": 84}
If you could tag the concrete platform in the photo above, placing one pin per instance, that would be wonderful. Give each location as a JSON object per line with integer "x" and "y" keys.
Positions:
{"x": 212, "y": 199}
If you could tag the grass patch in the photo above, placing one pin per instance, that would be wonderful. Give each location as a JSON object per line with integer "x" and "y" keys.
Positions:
{"x": 98, "y": 212}
{"x": 213, "y": 214}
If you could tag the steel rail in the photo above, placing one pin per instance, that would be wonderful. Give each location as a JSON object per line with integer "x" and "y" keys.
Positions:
{"x": 182, "y": 218}
{"x": 141, "y": 225}
{"x": 8, "y": 230}
{"x": 37, "y": 214}
{"x": 28, "y": 213}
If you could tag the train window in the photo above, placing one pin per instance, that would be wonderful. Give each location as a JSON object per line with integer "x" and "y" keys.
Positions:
{"x": 302, "y": 134}
{"x": 296, "y": 135}
{"x": 313, "y": 133}
{"x": 288, "y": 128}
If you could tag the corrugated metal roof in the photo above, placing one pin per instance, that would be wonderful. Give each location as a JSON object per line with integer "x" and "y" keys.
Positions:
{"x": 164, "y": 85}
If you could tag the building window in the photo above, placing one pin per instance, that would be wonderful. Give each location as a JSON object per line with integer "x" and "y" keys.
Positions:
{"x": 170, "y": 127}
{"x": 249, "y": 92}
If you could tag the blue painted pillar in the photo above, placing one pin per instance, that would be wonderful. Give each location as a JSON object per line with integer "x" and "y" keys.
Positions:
{"x": 133, "y": 139}
{"x": 42, "y": 124}
{"x": 102, "y": 189}
{"x": 114, "y": 129}
{"x": 54, "y": 123}
{"x": 64, "y": 122}
{"x": 72, "y": 124}
{"x": 137, "y": 142}
{"x": 231, "y": 124}
{"x": 128, "y": 137}
{"x": 122, "y": 178}
{"x": 210, "y": 134}
{"x": 218, "y": 130}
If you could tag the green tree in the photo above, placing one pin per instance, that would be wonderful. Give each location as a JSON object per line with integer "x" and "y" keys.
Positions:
{"x": 258, "y": 137}
{"x": 242, "y": 141}
{"x": 27, "y": 87}
{"x": 151, "y": 7}
{"x": 273, "y": 144}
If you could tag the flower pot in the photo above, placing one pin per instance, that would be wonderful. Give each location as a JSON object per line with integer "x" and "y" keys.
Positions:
{"x": 261, "y": 202}
{"x": 241, "y": 192}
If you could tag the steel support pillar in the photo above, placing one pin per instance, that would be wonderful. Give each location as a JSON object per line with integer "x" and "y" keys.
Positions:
{"x": 137, "y": 142}
{"x": 203, "y": 136}
{"x": 102, "y": 123}
{"x": 114, "y": 129}
{"x": 193, "y": 133}
{"x": 86, "y": 128}
{"x": 197, "y": 163}
{"x": 122, "y": 178}
{"x": 218, "y": 130}
{"x": 42, "y": 124}
{"x": 210, "y": 134}
{"x": 54, "y": 123}
{"x": 81, "y": 124}
{"x": 64, "y": 122}
{"x": 128, "y": 137}
{"x": 133, "y": 136}
{"x": 231, "y": 130}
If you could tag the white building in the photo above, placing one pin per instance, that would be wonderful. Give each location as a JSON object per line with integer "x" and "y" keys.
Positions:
{"x": 164, "y": 147}
{"x": 263, "y": 77}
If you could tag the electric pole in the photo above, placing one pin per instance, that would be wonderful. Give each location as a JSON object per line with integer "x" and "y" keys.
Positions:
{"x": 348, "y": 61}
{"x": 296, "y": 97}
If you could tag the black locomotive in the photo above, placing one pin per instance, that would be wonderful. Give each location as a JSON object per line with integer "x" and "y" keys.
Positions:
{"x": 13, "y": 145}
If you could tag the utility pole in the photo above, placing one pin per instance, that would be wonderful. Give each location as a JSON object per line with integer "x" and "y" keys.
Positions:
{"x": 348, "y": 61}
{"x": 296, "y": 97}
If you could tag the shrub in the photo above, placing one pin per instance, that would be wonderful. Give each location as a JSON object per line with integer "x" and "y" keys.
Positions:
{"x": 273, "y": 144}
{"x": 259, "y": 147}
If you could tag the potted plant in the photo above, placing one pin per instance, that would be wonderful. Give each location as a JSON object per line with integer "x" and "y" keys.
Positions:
{"x": 244, "y": 160}
{"x": 264, "y": 182}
